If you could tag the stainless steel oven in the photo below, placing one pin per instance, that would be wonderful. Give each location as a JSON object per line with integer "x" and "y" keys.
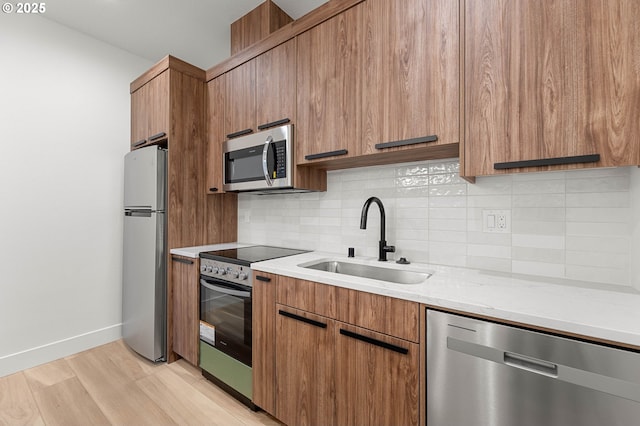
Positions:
{"x": 226, "y": 318}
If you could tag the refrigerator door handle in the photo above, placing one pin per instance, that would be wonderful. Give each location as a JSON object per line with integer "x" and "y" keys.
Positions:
{"x": 138, "y": 213}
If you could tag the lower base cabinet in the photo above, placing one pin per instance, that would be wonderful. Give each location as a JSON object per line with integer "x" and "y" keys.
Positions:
{"x": 376, "y": 378}
{"x": 305, "y": 390}
{"x": 183, "y": 312}
{"x": 331, "y": 372}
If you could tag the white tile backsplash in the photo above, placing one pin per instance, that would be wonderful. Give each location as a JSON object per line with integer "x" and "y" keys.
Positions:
{"x": 634, "y": 250}
{"x": 582, "y": 225}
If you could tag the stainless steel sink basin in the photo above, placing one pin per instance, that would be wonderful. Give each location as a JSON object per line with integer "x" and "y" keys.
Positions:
{"x": 397, "y": 276}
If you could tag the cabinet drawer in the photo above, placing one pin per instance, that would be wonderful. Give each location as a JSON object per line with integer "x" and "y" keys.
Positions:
{"x": 388, "y": 315}
{"x": 307, "y": 295}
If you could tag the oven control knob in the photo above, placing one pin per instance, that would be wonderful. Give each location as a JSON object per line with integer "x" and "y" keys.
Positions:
{"x": 222, "y": 271}
{"x": 203, "y": 268}
{"x": 242, "y": 276}
{"x": 214, "y": 269}
{"x": 209, "y": 269}
{"x": 234, "y": 274}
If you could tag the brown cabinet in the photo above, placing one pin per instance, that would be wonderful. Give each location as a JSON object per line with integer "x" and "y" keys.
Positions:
{"x": 411, "y": 96}
{"x": 305, "y": 371}
{"x": 150, "y": 112}
{"x": 185, "y": 295}
{"x": 339, "y": 354}
{"x": 377, "y": 378}
{"x": 240, "y": 108}
{"x": 193, "y": 219}
{"x": 550, "y": 81}
{"x": 215, "y": 132}
{"x": 329, "y": 84}
{"x": 263, "y": 340}
{"x": 275, "y": 85}
{"x": 262, "y": 91}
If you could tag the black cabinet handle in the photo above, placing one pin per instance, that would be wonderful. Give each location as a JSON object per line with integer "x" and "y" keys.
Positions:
{"x": 263, "y": 279}
{"x": 181, "y": 260}
{"x": 140, "y": 142}
{"x": 591, "y": 158}
{"x": 240, "y": 133}
{"x": 213, "y": 189}
{"x": 303, "y": 319}
{"x": 274, "y": 124}
{"x": 157, "y": 136}
{"x": 405, "y": 142}
{"x": 326, "y": 154}
{"x": 376, "y": 342}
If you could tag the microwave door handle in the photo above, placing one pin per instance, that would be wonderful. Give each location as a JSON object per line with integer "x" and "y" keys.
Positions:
{"x": 265, "y": 153}
{"x": 229, "y": 291}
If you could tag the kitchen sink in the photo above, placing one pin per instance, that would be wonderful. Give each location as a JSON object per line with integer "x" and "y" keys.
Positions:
{"x": 397, "y": 276}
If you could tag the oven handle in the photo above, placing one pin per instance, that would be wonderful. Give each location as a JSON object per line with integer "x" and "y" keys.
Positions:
{"x": 225, "y": 290}
{"x": 265, "y": 152}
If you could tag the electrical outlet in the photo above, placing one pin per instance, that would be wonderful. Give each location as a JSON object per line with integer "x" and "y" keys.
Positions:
{"x": 498, "y": 221}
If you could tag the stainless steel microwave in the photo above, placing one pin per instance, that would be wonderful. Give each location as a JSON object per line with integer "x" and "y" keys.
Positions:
{"x": 260, "y": 161}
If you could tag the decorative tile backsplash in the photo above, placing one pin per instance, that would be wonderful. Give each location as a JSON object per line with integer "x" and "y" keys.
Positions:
{"x": 580, "y": 225}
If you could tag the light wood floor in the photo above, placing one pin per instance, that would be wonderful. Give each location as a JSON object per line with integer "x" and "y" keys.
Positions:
{"x": 112, "y": 385}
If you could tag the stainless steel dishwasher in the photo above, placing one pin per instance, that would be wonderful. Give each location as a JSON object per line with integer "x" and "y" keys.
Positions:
{"x": 485, "y": 374}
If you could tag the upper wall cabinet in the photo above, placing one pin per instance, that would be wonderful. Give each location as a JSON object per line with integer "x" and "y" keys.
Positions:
{"x": 551, "y": 85}
{"x": 329, "y": 80}
{"x": 240, "y": 108}
{"x": 261, "y": 93}
{"x": 216, "y": 91}
{"x": 275, "y": 86}
{"x": 150, "y": 112}
{"x": 411, "y": 93}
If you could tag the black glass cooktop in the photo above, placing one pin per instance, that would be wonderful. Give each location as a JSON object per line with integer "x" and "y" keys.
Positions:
{"x": 247, "y": 255}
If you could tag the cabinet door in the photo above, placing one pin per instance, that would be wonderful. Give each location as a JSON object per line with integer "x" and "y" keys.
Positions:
{"x": 215, "y": 133}
{"x": 263, "y": 341}
{"x": 139, "y": 117}
{"x": 240, "y": 110}
{"x": 276, "y": 84}
{"x": 184, "y": 292}
{"x": 158, "y": 107}
{"x": 305, "y": 391}
{"x": 376, "y": 378}
{"x": 551, "y": 79}
{"x": 150, "y": 112}
{"x": 411, "y": 74}
{"x": 330, "y": 87}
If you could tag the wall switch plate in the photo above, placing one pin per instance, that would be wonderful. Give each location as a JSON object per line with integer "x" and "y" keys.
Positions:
{"x": 498, "y": 221}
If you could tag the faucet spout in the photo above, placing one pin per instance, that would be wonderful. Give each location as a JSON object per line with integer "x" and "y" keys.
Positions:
{"x": 383, "y": 249}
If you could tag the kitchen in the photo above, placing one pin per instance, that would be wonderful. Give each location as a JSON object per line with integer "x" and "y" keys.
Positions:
{"x": 587, "y": 218}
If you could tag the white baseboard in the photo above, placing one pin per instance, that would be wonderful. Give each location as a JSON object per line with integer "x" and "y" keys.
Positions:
{"x": 19, "y": 361}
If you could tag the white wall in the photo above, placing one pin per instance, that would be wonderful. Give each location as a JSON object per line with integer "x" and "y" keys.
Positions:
{"x": 64, "y": 129}
{"x": 574, "y": 225}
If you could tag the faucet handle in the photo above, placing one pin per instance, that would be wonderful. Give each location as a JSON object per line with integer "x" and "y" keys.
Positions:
{"x": 389, "y": 249}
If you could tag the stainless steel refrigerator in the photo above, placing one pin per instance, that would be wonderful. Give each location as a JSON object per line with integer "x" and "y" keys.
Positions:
{"x": 144, "y": 280}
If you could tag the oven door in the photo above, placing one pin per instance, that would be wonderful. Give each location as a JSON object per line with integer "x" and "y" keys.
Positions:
{"x": 225, "y": 317}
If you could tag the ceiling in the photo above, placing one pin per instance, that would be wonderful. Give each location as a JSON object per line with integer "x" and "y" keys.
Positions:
{"x": 196, "y": 31}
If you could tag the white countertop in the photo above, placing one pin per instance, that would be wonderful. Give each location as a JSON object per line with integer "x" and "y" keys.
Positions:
{"x": 599, "y": 311}
{"x": 193, "y": 252}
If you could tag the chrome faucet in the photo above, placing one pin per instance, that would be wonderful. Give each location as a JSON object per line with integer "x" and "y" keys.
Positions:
{"x": 383, "y": 248}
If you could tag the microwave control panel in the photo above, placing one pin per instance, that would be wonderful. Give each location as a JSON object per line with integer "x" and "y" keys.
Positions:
{"x": 280, "y": 169}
